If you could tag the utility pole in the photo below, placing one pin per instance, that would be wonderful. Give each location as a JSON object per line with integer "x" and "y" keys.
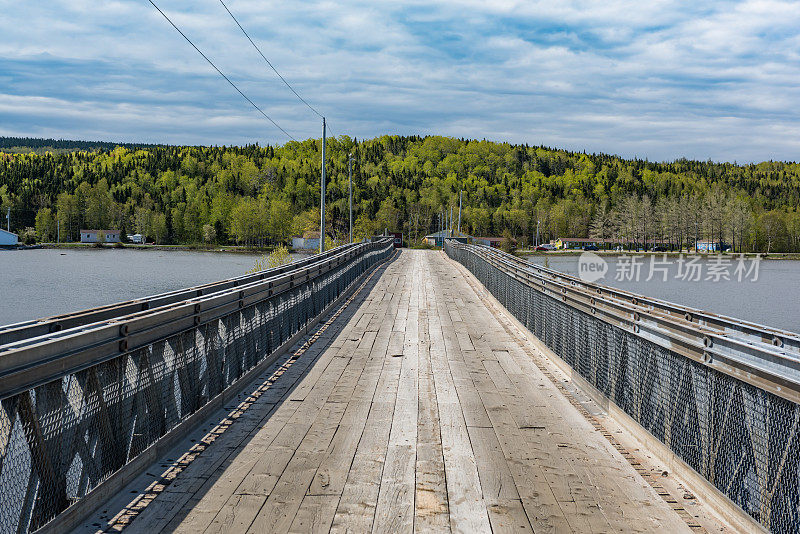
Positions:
{"x": 322, "y": 195}
{"x": 58, "y": 225}
{"x": 350, "y": 187}
{"x": 460, "y": 195}
{"x": 538, "y": 221}
{"x": 450, "y": 226}
{"x": 8, "y": 220}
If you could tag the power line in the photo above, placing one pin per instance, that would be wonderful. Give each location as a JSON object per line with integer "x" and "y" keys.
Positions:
{"x": 221, "y": 73}
{"x": 268, "y": 62}
{"x": 303, "y": 100}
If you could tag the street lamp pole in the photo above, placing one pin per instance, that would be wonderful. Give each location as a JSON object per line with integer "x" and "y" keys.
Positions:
{"x": 460, "y": 195}
{"x": 450, "y": 225}
{"x": 322, "y": 195}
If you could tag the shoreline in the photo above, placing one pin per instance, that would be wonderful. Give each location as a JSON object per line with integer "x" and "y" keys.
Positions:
{"x": 230, "y": 249}
{"x": 673, "y": 254}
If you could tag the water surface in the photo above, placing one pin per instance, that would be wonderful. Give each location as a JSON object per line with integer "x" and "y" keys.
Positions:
{"x": 44, "y": 282}
{"x": 772, "y": 300}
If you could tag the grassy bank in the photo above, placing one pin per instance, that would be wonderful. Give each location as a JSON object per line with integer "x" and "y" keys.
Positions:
{"x": 771, "y": 256}
{"x": 134, "y": 246}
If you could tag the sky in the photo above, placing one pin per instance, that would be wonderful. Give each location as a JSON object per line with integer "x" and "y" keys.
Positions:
{"x": 660, "y": 80}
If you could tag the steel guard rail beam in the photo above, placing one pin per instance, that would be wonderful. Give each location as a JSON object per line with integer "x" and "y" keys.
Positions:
{"x": 38, "y": 327}
{"x": 30, "y": 362}
{"x": 91, "y": 404}
{"x": 720, "y": 393}
{"x": 766, "y": 357}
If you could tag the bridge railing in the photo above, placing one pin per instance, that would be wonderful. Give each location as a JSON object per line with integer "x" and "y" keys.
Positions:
{"x": 84, "y": 403}
{"x": 720, "y": 393}
{"x": 39, "y": 327}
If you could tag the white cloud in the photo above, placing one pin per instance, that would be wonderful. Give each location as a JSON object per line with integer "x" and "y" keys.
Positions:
{"x": 657, "y": 79}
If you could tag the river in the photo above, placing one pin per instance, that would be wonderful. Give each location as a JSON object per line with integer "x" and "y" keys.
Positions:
{"x": 39, "y": 283}
{"x": 773, "y": 299}
{"x": 43, "y": 282}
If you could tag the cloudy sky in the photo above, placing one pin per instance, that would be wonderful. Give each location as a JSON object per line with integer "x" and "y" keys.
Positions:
{"x": 707, "y": 80}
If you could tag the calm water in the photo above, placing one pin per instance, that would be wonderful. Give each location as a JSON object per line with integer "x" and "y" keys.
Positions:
{"x": 39, "y": 283}
{"x": 772, "y": 300}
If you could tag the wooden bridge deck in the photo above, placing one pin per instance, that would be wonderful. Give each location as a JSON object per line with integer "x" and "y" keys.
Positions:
{"x": 420, "y": 413}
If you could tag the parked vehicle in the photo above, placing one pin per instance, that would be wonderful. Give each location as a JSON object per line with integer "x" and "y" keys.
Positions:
{"x": 547, "y": 247}
{"x": 590, "y": 247}
{"x": 659, "y": 248}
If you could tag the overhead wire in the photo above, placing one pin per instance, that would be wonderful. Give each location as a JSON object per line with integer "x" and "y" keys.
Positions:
{"x": 303, "y": 100}
{"x": 221, "y": 73}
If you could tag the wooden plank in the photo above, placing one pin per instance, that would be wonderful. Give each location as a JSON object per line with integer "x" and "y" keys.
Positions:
{"x": 331, "y": 475}
{"x": 574, "y": 460}
{"x": 503, "y": 503}
{"x": 278, "y": 512}
{"x": 261, "y": 475}
{"x": 260, "y": 423}
{"x": 431, "y": 513}
{"x": 395, "y": 508}
{"x": 540, "y": 504}
{"x": 357, "y": 504}
{"x": 315, "y": 515}
{"x": 467, "y": 507}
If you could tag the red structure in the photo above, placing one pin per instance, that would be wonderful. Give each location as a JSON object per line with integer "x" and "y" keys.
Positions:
{"x": 398, "y": 239}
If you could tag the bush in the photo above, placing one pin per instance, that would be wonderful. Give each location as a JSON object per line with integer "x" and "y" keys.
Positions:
{"x": 276, "y": 258}
{"x": 209, "y": 234}
{"x": 28, "y": 236}
{"x": 508, "y": 242}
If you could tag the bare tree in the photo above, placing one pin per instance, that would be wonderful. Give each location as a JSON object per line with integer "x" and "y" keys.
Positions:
{"x": 716, "y": 213}
{"x": 645, "y": 219}
{"x": 602, "y": 225}
{"x": 774, "y": 226}
{"x": 740, "y": 219}
{"x": 793, "y": 229}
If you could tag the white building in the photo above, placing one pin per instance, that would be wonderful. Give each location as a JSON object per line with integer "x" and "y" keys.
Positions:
{"x": 91, "y": 236}
{"x": 309, "y": 241}
{"x": 7, "y": 239}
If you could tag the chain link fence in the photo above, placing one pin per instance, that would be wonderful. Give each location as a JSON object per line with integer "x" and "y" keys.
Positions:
{"x": 742, "y": 439}
{"x": 61, "y": 439}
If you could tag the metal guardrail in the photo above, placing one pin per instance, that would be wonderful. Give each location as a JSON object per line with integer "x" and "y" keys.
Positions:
{"x": 79, "y": 404}
{"x": 39, "y": 327}
{"x": 721, "y": 393}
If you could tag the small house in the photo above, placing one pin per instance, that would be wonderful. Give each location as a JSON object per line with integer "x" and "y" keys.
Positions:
{"x": 436, "y": 239}
{"x": 7, "y": 239}
{"x": 99, "y": 236}
{"x": 711, "y": 246}
{"x": 578, "y": 242}
{"x": 308, "y": 241}
{"x": 494, "y": 242}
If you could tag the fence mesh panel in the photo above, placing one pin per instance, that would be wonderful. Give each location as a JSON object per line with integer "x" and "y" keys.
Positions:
{"x": 60, "y": 440}
{"x": 742, "y": 439}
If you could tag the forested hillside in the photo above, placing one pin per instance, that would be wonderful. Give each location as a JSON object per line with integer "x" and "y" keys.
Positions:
{"x": 256, "y": 195}
{"x": 38, "y": 145}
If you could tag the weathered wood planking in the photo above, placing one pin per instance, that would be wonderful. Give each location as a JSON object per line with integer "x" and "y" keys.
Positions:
{"x": 417, "y": 412}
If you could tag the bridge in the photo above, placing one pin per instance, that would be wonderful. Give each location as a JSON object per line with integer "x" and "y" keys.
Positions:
{"x": 368, "y": 389}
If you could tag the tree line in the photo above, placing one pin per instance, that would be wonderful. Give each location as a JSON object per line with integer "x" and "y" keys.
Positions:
{"x": 261, "y": 195}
